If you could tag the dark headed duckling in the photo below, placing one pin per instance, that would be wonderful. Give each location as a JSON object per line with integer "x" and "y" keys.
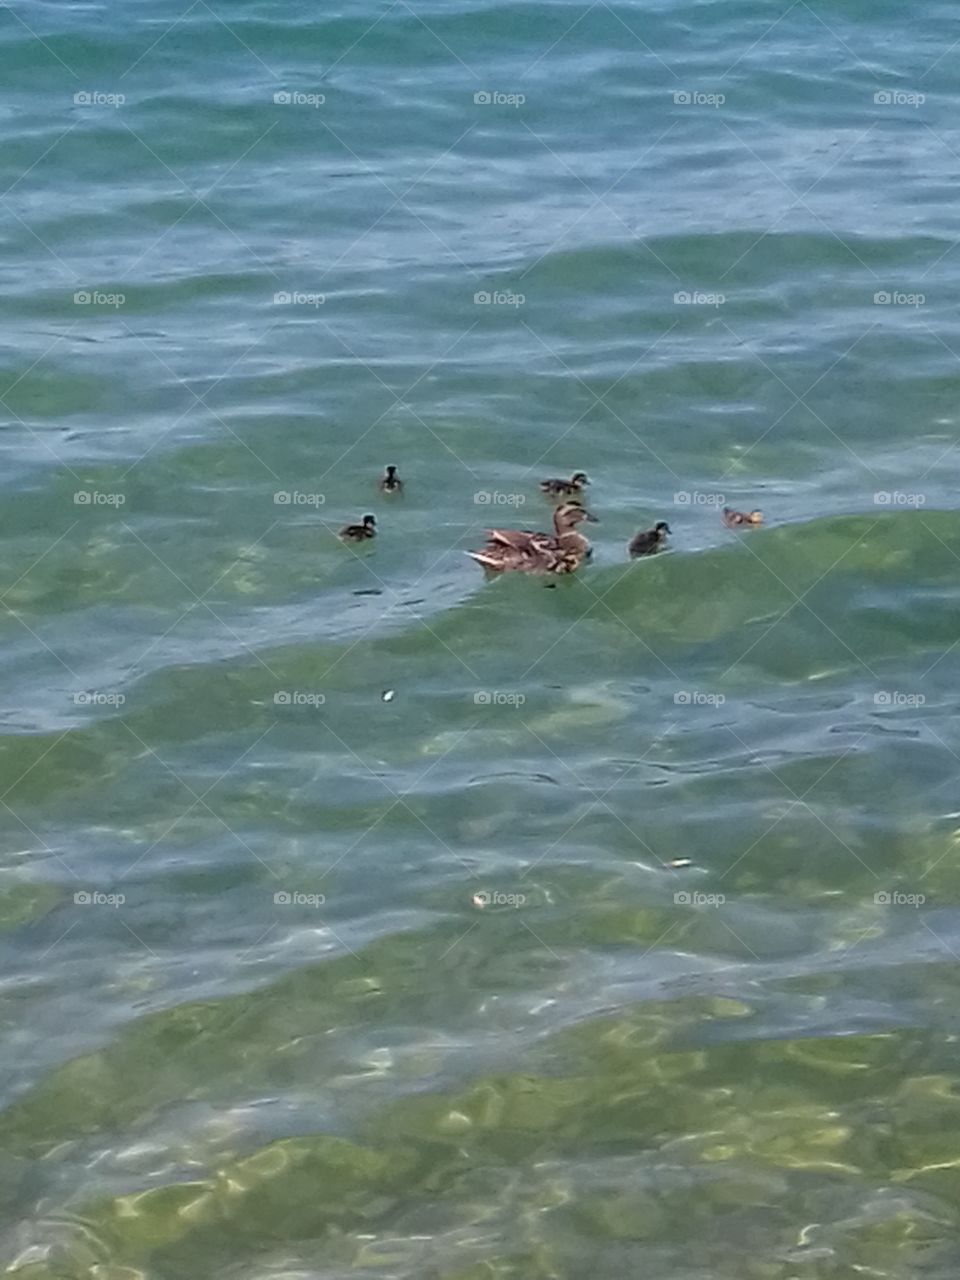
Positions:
{"x": 565, "y": 488}
{"x": 391, "y": 482}
{"x": 359, "y": 532}
{"x": 648, "y": 541}
{"x": 736, "y": 519}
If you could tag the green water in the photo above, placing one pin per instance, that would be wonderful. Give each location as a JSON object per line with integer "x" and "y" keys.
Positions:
{"x": 361, "y": 916}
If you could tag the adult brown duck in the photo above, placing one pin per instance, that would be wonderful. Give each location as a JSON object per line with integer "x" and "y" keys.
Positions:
{"x": 523, "y": 551}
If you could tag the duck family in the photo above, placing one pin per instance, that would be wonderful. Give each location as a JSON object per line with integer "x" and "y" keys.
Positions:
{"x": 560, "y": 552}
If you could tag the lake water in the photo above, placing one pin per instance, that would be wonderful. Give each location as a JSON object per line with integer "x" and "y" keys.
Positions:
{"x": 362, "y": 916}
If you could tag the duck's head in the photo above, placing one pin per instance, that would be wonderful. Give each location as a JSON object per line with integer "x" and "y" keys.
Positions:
{"x": 369, "y": 522}
{"x": 569, "y": 514}
{"x": 579, "y": 479}
{"x": 660, "y": 528}
{"x": 391, "y": 472}
{"x": 754, "y": 517}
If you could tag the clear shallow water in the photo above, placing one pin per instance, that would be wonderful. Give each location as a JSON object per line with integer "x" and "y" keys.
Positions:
{"x": 598, "y": 1073}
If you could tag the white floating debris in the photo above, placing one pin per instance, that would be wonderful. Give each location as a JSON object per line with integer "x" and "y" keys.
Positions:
{"x": 388, "y": 695}
{"x": 674, "y": 863}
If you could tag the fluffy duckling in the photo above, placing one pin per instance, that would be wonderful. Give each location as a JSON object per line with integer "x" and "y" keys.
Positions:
{"x": 737, "y": 519}
{"x": 367, "y": 528}
{"x": 565, "y": 488}
{"x": 523, "y": 551}
{"x": 648, "y": 541}
{"x": 391, "y": 482}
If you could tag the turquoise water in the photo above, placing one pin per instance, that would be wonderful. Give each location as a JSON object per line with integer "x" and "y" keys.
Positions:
{"x": 363, "y": 916}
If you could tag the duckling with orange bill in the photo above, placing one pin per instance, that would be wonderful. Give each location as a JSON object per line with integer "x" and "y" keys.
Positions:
{"x": 741, "y": 519}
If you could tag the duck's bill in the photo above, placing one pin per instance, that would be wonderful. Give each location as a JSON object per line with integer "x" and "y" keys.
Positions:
{"x": 592, "y": 518}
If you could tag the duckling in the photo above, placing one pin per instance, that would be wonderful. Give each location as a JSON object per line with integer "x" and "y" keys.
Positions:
{"x": 527, "y": 552}
{"x": 391, "y": 482}
{"x": 359, "y": 532}
{"x": 649, "y": 540}
{"x": 565, "y": 488}
{"x": 736, "y": 519}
